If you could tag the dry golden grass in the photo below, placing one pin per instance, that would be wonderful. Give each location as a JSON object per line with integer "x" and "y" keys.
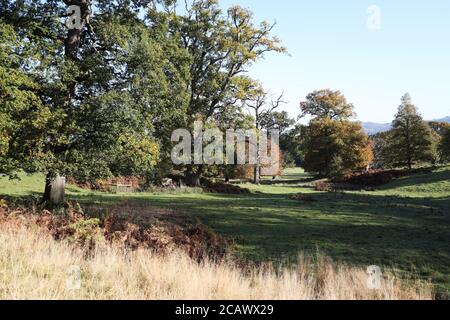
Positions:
{"x": 35, "y": 266}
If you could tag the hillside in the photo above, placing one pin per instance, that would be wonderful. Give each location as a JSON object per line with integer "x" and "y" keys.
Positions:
{"x": 446, "y": 119}
{"x": 373, "y": 128}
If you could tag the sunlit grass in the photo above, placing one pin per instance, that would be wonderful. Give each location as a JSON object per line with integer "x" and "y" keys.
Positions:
{"x": 405, "y": 224}
{"x": 35, "y": 266}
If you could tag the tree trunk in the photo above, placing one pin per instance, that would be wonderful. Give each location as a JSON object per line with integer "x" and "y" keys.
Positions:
{"x": 54, "y": 193}
{"x": 193, "y": 177}
{"x": 48, "y": 189}
{"x": 257, "y": 174}
{"x": 257, "y": 168}
{"x": 257, "y": 171}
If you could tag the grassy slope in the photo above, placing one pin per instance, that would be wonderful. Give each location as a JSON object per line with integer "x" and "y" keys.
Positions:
{"x": 35, "y": 266}
{"x": 404, "y": 224}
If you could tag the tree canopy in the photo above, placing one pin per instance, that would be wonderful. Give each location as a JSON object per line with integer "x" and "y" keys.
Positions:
{"x": 101, "y": 97}
{"x": 410, "y": 141}
{"x": 332, "y": 144}
{"x": 97, "y": 94}
{"x": 326, "y": 104}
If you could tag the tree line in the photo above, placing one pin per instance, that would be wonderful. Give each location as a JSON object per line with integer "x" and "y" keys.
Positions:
{"x": 332, "y": 145}
{"x": 102, "y": 100}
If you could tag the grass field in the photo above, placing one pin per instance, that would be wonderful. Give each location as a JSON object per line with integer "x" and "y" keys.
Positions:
{"x": 33, "y": 265}
{"x": 405, "y": 224}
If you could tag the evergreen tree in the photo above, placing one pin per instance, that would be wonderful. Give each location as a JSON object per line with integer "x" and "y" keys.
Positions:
{"x": 410, "y": 141}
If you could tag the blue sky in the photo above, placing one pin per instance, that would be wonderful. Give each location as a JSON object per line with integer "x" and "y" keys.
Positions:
{"x": 331, "y": 46}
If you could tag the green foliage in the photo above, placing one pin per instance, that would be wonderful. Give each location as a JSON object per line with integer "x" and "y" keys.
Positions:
{"x": 221, "y": 45}
{"x": 378, "y": 143}
{"x": 445, "y": 145}
{"x": 277, "y": 120}
{"x": 332, "y": 144}
{"x": 104, "y": 100}
{"x": 23, "y": 117}
{"x": 411, "y": 140}
{"x": 100, "y": 104}
{"x": 326, "y": 104}
{"x": 291, "y": 145}
{"x": 335, "y": 147}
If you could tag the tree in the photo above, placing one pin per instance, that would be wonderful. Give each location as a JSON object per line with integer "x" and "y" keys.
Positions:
{"x": 326, "y": 104}
{"x": 22, "y": 115}
{"x": 221, "y": 47}
{"x": 263, "y": 107}
{"x": 233, "y": 117}
{"x": 277, "y": 120}
{"x": 335, "y": 147}
{"x": 410, "y": 141}
{"x": 445, "y": 145}
{"x": 439, "y": 133}
{"x": 109, "y": 87}
{"x": 291, "y": 146}
{"x": 331, "y": 143}
{"x": 379, "y": 143}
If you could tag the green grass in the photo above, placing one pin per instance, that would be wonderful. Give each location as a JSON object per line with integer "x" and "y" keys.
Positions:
{"x": 404, "y": 224}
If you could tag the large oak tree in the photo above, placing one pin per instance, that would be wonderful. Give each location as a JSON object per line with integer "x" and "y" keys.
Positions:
{"x": 104, "y": 93}
{"x": 332, "y": 144}
{"x": 221, "y": 45}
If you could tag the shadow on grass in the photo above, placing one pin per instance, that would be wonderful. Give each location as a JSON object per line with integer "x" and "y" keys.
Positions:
{"x": 357, "y": 228}
{"x": 274, "y": 225}
{"x": 360, "y": 229}
{"x": 419, "y": 179}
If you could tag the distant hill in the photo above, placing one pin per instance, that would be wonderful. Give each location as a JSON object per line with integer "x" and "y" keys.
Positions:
{"x": 373, "y": 128}
{"x": 446, "y": 119}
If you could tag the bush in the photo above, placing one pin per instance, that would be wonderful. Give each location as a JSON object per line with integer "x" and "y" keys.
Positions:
{"x": 302, "y": 197}
{"x": 373, "y": 178}
{"x": 134, "y": 227}
{"x": 223, "y": 188}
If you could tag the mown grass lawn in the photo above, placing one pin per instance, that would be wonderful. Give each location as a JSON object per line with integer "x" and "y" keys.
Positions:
{"x": 404, "y": 224}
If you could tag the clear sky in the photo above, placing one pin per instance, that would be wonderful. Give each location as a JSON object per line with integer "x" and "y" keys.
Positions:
{"x": 332, "y": 46}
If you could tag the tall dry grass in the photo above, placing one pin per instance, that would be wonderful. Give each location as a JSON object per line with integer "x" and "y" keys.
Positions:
{"x": 35, "y": 266}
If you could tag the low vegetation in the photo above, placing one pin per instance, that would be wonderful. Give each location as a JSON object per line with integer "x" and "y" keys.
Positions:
{"x": 35, "y": 266}
{"x": 402, "y": 225}
{"x": 94, "y": 93}
{"x": 130, "y": 226}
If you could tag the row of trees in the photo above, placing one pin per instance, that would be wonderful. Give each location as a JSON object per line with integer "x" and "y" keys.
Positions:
{"x": 103, "y": 99}
{"x": 411, "y": 140}
{"x": 333, "y": 145}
